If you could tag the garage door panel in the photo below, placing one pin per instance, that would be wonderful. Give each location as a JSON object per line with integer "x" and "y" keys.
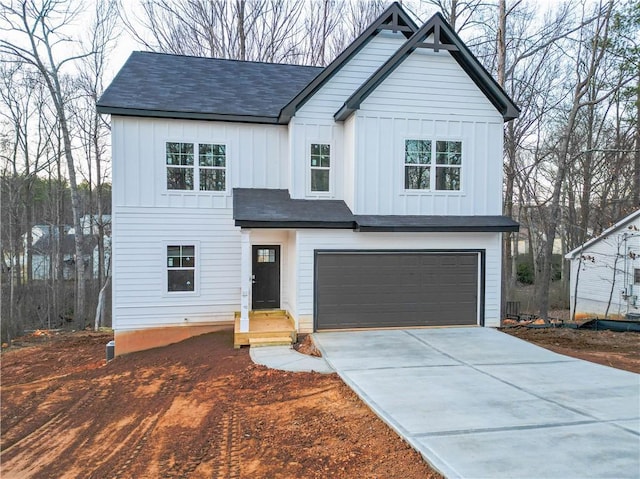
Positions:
{"x": 357, "y": 290}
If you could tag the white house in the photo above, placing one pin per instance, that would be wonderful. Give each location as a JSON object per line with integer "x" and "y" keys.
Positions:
{"x": 364, "y": 194}
{"x": 605, "y": 272}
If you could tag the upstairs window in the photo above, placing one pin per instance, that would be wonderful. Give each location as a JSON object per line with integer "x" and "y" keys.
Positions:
{"x": 181, "y": 268}
{"x": 208, "y": 174}
{"x": 448, "y": 164}
{"x": 417, "y": 164}
{"x": 180, "y": 170}
{"x": 422, "y": 173}
{"x": 320, "y": 167}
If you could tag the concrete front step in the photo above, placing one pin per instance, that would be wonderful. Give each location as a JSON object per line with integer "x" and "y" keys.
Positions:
{"x": 272, "y": 341}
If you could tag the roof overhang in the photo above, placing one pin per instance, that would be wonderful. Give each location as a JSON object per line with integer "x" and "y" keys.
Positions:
{"x": 270, "y": 208}
{"x": 620, "y": 224}
{"x": 185, "y": 115}
{"x": 435, "y": 224}
{"x": 267, "y": 208}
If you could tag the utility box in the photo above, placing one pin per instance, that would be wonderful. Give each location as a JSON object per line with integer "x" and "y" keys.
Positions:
{"x": 111, "y": 350}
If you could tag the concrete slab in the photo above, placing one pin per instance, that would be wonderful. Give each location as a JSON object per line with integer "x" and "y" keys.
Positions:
{"x": 460, "y": 394}
{"x": 380, "y": 349}
{"x": 285, "y": 358}
{"x": 479, "y": 403}
{"x": 485, "y": 346}
{"x": 606, "y": 398}
{"x": 567, "y": 452}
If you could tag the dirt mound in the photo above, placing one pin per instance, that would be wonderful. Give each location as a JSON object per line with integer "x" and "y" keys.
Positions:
{"x": 618, "y": 350}
{"x": 194, "y": 409}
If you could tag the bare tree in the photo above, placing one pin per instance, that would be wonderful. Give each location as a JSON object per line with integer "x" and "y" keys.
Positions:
{"x": 34, "y": 34}
{"x": 591, "y": 51}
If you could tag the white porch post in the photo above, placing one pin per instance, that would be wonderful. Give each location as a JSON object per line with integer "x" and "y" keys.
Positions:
{"x": 245, "y": 279}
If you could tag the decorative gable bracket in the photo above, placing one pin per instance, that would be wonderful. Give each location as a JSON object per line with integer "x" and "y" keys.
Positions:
{"x": 444, "y": 38}
{"x": 437, "y": 43}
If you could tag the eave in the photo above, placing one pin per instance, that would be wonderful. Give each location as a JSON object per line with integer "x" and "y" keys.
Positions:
{"x": 183, "y": 115}
{"x": 394, "y": 18}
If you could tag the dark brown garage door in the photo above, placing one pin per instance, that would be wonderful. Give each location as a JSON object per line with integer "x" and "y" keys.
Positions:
{"x": 373, "y": 290}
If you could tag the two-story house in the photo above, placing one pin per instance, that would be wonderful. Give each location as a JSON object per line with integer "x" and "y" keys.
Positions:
{"x": 366, "y": 194}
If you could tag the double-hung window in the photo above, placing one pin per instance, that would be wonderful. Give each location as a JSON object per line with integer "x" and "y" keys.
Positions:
{"x": 181, "y": 268}
{"x": 417, "y": 164}
{"x": 320, "y": 167}
{"x": 421, "y": 172}
{"x": 448, "y": 165}
{"x": 196, "y": 166}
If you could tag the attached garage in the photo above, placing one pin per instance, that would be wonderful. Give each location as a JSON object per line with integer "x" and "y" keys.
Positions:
{"x": 377, "y": 289}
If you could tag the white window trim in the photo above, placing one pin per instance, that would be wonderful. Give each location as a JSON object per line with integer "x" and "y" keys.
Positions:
{"x": 196, "y": 166}
{"x": 432, "y": 172}
{"x": 307, "y": 159}
{"x": 165, "y": 269}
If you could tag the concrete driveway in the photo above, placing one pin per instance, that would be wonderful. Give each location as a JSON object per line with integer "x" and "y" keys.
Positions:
{"x": 478, "y": 403}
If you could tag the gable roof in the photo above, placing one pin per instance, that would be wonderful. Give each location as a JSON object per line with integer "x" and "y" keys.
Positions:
{"x": 445, "y": 38}
{"x": 176, "y": 86}
{"x": 620, "y": 224}
{"x": 394, "y": 18}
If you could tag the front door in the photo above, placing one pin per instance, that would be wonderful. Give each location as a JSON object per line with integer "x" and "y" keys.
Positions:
{"x": 266, "y": 277}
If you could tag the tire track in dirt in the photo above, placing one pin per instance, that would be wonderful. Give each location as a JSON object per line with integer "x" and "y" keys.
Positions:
{"x": 43, "y": 433}
{"x": 226, "y": 459}
{"x": 136, "y": 437}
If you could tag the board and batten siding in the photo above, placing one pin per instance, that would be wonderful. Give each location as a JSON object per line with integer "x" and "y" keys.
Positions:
{"x": 147, "y": 217}
{"x": 302, "y": 135}
{"x": 601, "y": 277}
{"x": 314, "y": 123}
{"x": 307, "y": 241}
{"x": 428, "y": 97}
{"x": 330, "y": 98}
{"x": 257, "y": 157}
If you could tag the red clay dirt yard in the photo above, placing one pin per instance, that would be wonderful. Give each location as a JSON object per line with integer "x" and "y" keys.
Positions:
{"x": 196, "y": 409}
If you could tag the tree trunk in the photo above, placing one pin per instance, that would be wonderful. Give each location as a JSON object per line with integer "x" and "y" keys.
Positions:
{"x": 636, "y": 157}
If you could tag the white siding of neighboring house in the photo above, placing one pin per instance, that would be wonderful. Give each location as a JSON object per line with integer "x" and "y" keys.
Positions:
{"x": 147, "y": 217}
{"x": 597, "y": 276}
{"x": 309, "y": 240}
{"x": 428, "y": 96}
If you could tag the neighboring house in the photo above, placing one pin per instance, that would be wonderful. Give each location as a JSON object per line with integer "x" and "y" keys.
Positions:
{"x": 90, "y": 224}
{"x": 605, "y": 272}
{"x": 45, "y": 252}
{"x": 364, "y": 194}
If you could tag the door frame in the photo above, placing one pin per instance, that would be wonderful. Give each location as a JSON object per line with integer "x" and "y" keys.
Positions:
{"x": 482, "y": 273}
{"x": 280, "y": 263}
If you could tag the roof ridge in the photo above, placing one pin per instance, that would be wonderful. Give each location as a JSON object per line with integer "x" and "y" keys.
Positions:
{"x": 228, "y": 59}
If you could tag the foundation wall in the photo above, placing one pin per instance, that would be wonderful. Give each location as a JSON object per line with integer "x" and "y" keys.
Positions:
{"x": 141, "y": 339}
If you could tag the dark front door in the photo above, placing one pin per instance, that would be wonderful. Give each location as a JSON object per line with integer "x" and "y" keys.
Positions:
{"x": 266, "y": 277}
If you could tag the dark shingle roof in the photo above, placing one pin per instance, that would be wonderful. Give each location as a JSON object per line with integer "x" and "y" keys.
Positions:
{"x": 174, "y": 86}
{"x": 254, "y": 207}
{"x": 464, "y": 224}
{"x": 265, "y": 208}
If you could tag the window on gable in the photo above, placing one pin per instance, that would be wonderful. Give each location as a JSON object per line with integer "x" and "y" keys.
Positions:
{"x": 636, "y": 276}
{"x": 448, "y": 164}
{"x": 181, "y": 268}
{"x": 320, "y": 167}
{"x": 208, "y": 174}
{"x": 417, "y": 164}
{"x": 422, "y": 173}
